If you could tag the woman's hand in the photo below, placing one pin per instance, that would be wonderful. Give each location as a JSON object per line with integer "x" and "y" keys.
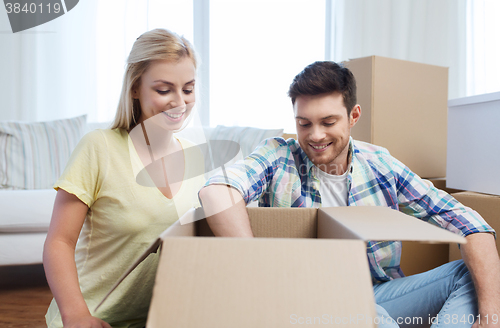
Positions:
{"x": 87, "y": 322}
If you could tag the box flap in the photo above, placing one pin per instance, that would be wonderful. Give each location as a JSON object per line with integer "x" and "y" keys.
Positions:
{"x": 175, "y": 230}
{"x": 153, "y": 248}
{"x": 261, "y": 282}
{"x": 379, "y": 223}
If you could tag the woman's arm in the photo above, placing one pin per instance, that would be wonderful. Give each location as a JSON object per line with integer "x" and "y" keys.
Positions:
{"x": 67, "y": 220}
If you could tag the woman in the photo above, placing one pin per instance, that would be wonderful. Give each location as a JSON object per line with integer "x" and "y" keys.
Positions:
{"x": 103, "y": 217}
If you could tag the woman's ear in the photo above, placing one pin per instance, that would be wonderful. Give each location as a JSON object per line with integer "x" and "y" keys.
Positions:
{"x": 355, "y": 115}
{"x": 135, "y": 90}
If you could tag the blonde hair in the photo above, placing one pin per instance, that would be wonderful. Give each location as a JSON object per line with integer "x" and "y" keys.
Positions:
{"x": 157, "y": 44}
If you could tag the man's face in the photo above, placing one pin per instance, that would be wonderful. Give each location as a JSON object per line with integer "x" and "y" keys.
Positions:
{"x": 323, "y": 129}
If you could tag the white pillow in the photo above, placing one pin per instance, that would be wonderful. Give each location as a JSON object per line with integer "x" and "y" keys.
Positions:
{"x": 91, "y": 126}
{"x": 228, "y": 145}
{"x": 248, "y": 138}
{"x": 33, "y": 155}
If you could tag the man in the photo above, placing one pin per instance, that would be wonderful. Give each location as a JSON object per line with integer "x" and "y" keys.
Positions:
{"x": 326, "y": 167}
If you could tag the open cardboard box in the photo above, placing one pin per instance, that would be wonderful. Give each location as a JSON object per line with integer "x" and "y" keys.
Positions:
{"x": 306, "y": 265}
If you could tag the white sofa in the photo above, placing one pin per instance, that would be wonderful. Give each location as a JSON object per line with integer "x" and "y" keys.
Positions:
{"x": 25, "y": 214}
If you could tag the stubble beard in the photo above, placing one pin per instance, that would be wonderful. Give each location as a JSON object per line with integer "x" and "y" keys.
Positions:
{"x": 330, "y": 161}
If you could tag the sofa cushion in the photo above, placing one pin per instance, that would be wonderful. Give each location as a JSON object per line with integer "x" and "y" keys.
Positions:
{"x": 91, "y": 126}
{"x": 21, "y": 248}
{"x": 33, "y": 155}
{"x": 247, "y": 137}
{"x": 26, "y": 210}
{"x": 244, "y": 138}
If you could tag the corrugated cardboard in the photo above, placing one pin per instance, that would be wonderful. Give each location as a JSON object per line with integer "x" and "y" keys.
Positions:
{"x": 225, "y": 282}
{"x": 304, "y": 264}
{"x": 488, "y": 206}
{"x": 473, "y": 136}
{"x": 289, "y": 135}
{"x": 417, "y": 257}
{"x": 404, "y": 109}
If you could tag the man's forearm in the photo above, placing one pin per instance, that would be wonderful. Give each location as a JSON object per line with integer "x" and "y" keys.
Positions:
{"x": 226, "y": 211}
{"x": 481, "y": 257}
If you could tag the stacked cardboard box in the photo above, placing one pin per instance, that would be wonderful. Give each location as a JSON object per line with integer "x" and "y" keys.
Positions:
{"x": 488, "y": 206}
{"x": 404, "y": 109}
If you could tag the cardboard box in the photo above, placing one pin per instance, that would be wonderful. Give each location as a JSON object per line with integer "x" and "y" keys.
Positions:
{"x": 488, "y": 206}
{"x": 440, "y": 183}
{"x": 404, "y": 109}
{"x": 473, "y": 136}
{"x": 289, "y": 135}
{"x": 306, "y": 265}
{"x": 417, "y": 257}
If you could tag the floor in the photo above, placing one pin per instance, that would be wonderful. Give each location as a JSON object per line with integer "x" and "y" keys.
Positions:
{"x": 24, "y": 296}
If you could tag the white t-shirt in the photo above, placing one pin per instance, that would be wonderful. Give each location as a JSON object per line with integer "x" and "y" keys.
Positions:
{"x": 332, "y": 188}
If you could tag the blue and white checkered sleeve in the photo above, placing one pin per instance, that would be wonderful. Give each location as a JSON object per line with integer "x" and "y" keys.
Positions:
{"x": 418, "y": 197}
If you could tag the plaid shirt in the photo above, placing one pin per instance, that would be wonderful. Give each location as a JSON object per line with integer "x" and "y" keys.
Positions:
{"x": 279, "y": 174}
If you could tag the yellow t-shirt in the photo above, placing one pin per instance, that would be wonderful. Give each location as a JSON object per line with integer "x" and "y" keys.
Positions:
{"x": 124, "y": 218}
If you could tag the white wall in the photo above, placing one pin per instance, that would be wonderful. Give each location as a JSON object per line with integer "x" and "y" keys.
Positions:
{"x": 424, "y": 31}
{"x": 47, "y": 72}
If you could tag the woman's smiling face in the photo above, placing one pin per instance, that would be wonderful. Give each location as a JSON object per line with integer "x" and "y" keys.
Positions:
{"x": 167, "y": 87}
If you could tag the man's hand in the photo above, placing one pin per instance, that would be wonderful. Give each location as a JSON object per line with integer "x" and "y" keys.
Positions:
{"x": 481, "y": 257}
{"x": 491, "y": 320}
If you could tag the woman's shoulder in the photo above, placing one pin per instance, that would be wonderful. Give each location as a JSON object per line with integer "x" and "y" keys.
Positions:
{"x": 102, "y": 137}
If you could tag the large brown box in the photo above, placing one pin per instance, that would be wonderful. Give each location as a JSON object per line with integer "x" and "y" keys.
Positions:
{"x": 488, "y": 206}
{"x": 304, "y": 265}
{"x": 404, "y": 109}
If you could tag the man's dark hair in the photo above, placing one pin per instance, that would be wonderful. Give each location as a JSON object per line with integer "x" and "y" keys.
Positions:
{"x": 325, "y": 77}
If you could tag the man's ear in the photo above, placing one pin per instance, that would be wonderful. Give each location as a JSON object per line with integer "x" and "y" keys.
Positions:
{"x": 355, "y": 115}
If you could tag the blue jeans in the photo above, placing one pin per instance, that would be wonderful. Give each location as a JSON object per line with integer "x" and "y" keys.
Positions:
{"x": 443, "y": 297}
